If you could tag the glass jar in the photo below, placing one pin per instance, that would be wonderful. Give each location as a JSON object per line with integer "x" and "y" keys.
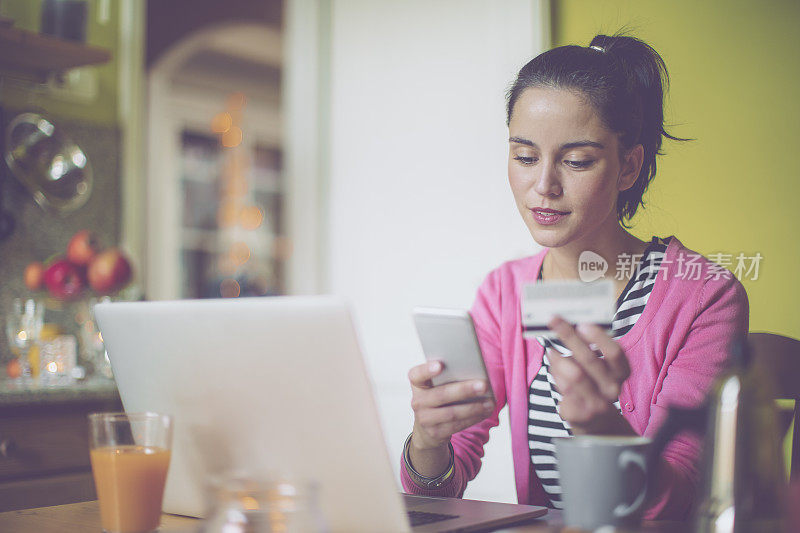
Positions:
{"x": 238, "y": 504}
{"x": 24, "y": 318}
{"x": 92, "y": 348}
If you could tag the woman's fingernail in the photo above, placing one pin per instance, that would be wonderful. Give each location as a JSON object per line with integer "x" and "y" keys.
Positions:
{"x": 488, "y": 405}
{"x": 434, "y": 366}
{"x": 480, "y": 386}
{"x": 585, "y": 329}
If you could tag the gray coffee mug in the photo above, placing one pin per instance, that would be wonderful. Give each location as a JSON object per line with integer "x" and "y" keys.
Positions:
{"x": 603, "y": 480}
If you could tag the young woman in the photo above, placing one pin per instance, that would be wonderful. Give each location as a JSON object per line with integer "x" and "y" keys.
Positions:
{"x": 585, "y": 126}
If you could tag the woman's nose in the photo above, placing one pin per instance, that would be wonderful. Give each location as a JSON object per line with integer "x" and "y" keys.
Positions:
{"x": 546, "y": 183}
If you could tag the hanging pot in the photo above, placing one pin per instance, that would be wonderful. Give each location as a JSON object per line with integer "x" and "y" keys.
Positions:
{"x": 50, "y": 165}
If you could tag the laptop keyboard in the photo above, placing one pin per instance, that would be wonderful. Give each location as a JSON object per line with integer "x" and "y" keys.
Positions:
{"x": 420, "y": 518}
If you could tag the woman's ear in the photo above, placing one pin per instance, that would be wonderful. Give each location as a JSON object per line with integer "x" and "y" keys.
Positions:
{"x": 631, "y": 166}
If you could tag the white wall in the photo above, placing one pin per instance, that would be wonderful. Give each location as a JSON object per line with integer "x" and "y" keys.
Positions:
{"x": 418, "y": 208}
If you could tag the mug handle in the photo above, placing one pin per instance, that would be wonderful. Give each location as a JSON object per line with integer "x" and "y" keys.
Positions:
{"x": 626, "y": 458}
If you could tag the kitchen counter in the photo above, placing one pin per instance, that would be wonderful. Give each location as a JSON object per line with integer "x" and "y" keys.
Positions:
{"x": 44, "y": 441}
{"x": 89, "y": 390}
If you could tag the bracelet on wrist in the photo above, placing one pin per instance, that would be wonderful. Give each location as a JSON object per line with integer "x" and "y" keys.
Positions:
{"x": 424, "y": 481}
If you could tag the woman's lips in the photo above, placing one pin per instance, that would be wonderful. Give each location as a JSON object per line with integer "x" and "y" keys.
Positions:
{"x": 548, "y": 217}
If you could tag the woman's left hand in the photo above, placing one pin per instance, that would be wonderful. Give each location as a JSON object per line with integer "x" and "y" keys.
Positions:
{"x": 589, "y": 385}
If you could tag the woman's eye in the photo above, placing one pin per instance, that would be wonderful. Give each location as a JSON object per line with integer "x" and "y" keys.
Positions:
{"x": 525, "y": 160}
{"x": 578, "y": 164}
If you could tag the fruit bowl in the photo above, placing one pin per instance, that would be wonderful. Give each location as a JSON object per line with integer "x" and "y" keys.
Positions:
{"x": 84, "y": 270}
{"x": 68, "y": 284}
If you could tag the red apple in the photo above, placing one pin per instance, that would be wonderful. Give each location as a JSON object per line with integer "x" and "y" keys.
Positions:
{"x": 63, "y": 280}
{"x": 14, "y": 369}
{"x": 34, "y": 275}
{"x": 109, "y": 271}
{"x": 82, "y": 247}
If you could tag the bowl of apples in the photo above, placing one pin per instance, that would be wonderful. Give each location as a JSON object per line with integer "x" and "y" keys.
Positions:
{"x": 70, "y": 282}
{"x": 84, "y": 269}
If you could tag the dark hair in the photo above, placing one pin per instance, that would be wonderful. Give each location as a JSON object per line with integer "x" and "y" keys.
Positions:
{"x": 624, "y": 80}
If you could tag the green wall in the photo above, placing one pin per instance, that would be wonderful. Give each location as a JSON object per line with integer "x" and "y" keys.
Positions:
{"x": 102, "y": 110}
{"x": 735, "y": 81}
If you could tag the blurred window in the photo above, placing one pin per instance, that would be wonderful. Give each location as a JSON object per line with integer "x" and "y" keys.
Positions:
{"x": 232, "y": 232}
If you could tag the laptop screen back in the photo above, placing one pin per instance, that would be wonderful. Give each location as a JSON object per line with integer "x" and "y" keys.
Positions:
{"x": 260, "y": 386}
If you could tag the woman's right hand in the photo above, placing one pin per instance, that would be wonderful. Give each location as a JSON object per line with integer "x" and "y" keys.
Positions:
{"x": 434, "y": 420}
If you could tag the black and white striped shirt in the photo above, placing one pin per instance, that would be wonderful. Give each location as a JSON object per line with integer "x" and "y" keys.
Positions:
{"x": 544, "y": 422}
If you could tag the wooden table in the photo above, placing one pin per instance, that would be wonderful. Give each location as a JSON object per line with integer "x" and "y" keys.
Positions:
{"x": 77, "y": 517}
{"x": 83, "y": 517}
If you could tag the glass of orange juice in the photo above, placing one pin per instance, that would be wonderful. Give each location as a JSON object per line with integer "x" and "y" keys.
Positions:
{"x": 130, "y": 456}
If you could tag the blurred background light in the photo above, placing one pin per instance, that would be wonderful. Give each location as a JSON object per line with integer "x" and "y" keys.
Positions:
{"x": 221, "y": 122}
{"x": 229, "y": 288}
{"x": 251, "y": 217}
{"x": 240, "y": 252}
{"x": 232, "y": 137}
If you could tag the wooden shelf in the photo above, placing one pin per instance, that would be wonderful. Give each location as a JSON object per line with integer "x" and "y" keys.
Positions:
{"x": 35, "y": 55}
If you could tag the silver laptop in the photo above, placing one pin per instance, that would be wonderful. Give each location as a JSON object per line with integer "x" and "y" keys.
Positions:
{"x": 272, "y": 385}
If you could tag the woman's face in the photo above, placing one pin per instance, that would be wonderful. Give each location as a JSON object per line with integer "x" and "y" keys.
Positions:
{"x": 564, "y": 168}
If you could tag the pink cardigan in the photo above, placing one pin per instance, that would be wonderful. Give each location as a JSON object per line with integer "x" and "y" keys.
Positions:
{"x": 675, "y": 349}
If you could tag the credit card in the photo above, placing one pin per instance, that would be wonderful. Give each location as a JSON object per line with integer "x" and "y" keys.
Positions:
{"x": 577, "y": 302}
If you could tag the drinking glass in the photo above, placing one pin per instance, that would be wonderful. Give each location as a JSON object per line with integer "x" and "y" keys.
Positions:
{"x": 130, "y": 455}
{"x": 23, "y": 327}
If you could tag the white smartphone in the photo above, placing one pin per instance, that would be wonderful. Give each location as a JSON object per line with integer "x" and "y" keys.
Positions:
{"x": 448, "y": 336}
